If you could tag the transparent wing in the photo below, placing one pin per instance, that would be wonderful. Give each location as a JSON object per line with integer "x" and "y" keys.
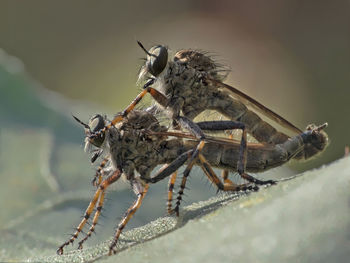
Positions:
{"x": 256, "y": 106}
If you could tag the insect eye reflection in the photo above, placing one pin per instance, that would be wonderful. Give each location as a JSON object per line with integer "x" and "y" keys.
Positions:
{"x": 157, "y": 59}
{"x": 96, "y": 123}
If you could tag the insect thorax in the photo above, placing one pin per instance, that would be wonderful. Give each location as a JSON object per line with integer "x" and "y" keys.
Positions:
{"x": 132, "y": 149}
{"x": 187, "y": 89}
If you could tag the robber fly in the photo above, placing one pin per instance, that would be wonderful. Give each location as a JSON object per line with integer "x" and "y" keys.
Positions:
{"x": 191, "y": 83}
{"x": 135, "y": 146}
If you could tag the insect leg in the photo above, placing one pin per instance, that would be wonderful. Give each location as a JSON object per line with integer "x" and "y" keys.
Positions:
{"x": 254, "y": 180}
{"x": 98, "y": 175}
{"x": 225, "y": 172}
{"x": 158, "y": 96}
{"x": 172, "y": 181}
{"x": 95, "y": 219}
{"x": 102, "y": 187}
{"x": 140, "y": 192}
{"x": 196, "y": 129}
{"x": 171, "y": 168}
{"x": 214, "y": 179}
{"x": 227, "y": 186}
{"x": 197, "y": 132}
{"x": 186, "y": 173}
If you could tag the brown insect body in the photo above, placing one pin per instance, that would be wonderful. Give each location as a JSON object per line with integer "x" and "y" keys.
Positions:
{"x": 192, "y": 82}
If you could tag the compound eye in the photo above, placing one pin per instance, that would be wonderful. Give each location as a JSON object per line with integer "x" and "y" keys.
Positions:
{"x": 157, "y": 60}
{"x": 97, "y": 123}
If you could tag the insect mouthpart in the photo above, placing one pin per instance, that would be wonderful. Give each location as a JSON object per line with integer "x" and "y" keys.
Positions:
{"x": 157, "y": 58}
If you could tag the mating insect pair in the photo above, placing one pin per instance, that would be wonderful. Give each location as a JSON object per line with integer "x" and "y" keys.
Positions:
{"x": 189, "y": 84}
{"x": 192, "y": 83}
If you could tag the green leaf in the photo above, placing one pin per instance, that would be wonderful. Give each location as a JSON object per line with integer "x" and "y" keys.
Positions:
{"x": 307, "y": 217}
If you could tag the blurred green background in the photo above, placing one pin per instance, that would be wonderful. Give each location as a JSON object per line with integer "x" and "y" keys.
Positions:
{"x": 80, "y": 57}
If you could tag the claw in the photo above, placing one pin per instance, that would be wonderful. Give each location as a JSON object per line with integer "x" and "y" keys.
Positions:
{"x": 59, "y": 251}
{"x": 255, "y": 188}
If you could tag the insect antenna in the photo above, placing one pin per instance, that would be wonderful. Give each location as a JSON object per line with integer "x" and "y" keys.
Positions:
{"x": 82, "y": 123}
{"x": 143, "y": 48}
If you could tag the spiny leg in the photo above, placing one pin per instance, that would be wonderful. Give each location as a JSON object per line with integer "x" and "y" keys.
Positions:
{"x": 159, "y": 97}
{"x": 87, "y": 214}
{"x": 95, "y": 219}
{"x": 172, "y": 181}
{"x": 227, "y": 186}
{"x": 171, "y": 168}
{"x": 198, "y": 133}
{"x": 142, "y": 190}
{"x": 196, "y": 129}
{"x": 111, "y": 179}
{"x": 167, "y": 170}
{"x": 256, "y": 181}
{"x": 208, "y": 170}
{"x": 98, "y": 175}
{"x": 186, "y": 173}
